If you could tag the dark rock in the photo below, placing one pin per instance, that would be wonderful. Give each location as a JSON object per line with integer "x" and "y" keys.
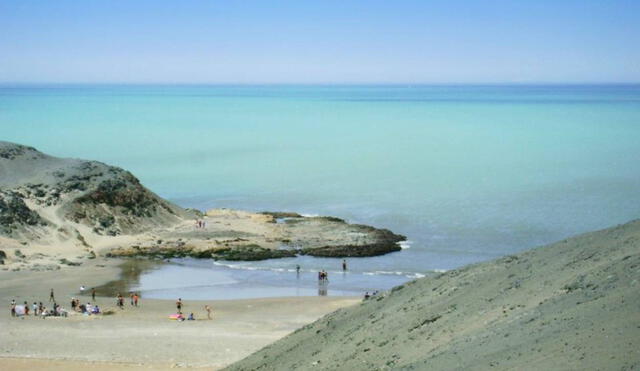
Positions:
{"x": 352, "y": 250}
{"x": 15, "y": 150}
{"x": 281, "y": 214}
{"x": 250, "y": 253}
{"x": 15, "y": 214}
{"x": 68, "y": 262}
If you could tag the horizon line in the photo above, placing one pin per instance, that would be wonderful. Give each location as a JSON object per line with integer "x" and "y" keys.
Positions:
{"x": 399, "y": 83}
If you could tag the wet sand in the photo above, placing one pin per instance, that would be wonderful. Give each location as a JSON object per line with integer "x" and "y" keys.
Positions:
{"x": 141, "y": 337}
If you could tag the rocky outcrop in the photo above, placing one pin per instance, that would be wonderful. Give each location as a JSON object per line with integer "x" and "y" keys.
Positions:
{"x": 250, "y": 252}
{"x": 108, "y": 199}
{"x": 383, "y": 241}
{"x": 118, "y": 205}
{"x": 243, "y": 252}
{"x": 352, "y": 251}
{"x": 74, "y": 194}
{"x": 15, "y": 216}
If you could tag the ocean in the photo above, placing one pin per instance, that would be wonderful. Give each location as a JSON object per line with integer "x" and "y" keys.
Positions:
{"x": 467, "y": 172}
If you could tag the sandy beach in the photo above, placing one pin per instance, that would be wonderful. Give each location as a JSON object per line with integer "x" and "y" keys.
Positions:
{"x": 141, "y": 337}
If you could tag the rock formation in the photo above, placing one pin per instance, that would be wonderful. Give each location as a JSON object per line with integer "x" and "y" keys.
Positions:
{"x": 52, "y": 201}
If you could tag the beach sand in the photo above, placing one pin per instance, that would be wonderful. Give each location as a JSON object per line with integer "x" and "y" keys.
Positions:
{"x": 141, "y": 337}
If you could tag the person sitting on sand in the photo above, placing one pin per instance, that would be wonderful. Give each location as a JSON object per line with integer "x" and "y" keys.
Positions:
{"x": 26, "y": 308}
{"x": 191, "y": 317}
{"x": 96, "y": 309}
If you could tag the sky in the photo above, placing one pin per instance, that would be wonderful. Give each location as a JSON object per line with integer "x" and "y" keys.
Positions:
{"x": 327, "y": 41}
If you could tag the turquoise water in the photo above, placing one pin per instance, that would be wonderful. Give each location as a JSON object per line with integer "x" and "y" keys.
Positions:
{"x": 468, "y": 173}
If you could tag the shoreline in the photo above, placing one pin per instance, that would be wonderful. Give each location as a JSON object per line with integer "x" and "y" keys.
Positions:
{"x": 143, "y": 336}
{"x": 190, "y": 279}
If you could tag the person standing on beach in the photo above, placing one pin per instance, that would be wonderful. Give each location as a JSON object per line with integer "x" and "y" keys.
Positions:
{"x": 120, "y": 300}
{"x": 179, "y": 305}
{"x": 135, "y": 299}
{"x": 93, "y": 294}
{"x": 208, "y": 309}
{"x": 131, "y": 298}
{"x": 51, "y": 297}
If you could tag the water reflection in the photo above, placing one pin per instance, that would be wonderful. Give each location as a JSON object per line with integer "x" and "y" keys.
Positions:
{"x": 131, "y": 271}
{"x": 323, "y": 288}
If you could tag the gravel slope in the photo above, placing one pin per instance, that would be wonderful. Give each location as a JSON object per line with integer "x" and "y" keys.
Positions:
{"x": 571, "y": 305}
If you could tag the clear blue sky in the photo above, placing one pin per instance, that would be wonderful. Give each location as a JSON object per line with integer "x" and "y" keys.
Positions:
{"x": 320, "y": 41}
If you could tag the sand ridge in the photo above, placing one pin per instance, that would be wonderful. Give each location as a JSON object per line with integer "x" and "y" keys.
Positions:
{"x": 572, "y": 305}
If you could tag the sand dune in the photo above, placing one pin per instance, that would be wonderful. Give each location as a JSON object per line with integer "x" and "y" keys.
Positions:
{"x": 573, "y": 305}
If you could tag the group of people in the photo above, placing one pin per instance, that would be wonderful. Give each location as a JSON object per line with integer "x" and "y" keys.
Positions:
{"x": 134, "y": 298}
{"x": 323, "y": 276}
{"x": 180, "y": 317}
{"x": 201, "y": 224}
{"x": 84, "y": 308}
{"x": 38, "y": 309}
{"x": 367, "y": 296}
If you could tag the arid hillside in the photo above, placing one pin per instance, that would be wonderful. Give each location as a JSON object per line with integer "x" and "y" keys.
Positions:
{"x": 572, "y": 305}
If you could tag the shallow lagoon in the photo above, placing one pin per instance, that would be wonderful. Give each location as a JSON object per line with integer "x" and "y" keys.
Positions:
{"x": 200, "y": 279}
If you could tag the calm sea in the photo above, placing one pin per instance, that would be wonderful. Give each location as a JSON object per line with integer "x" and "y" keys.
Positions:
{"x": 468, "y": 173}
